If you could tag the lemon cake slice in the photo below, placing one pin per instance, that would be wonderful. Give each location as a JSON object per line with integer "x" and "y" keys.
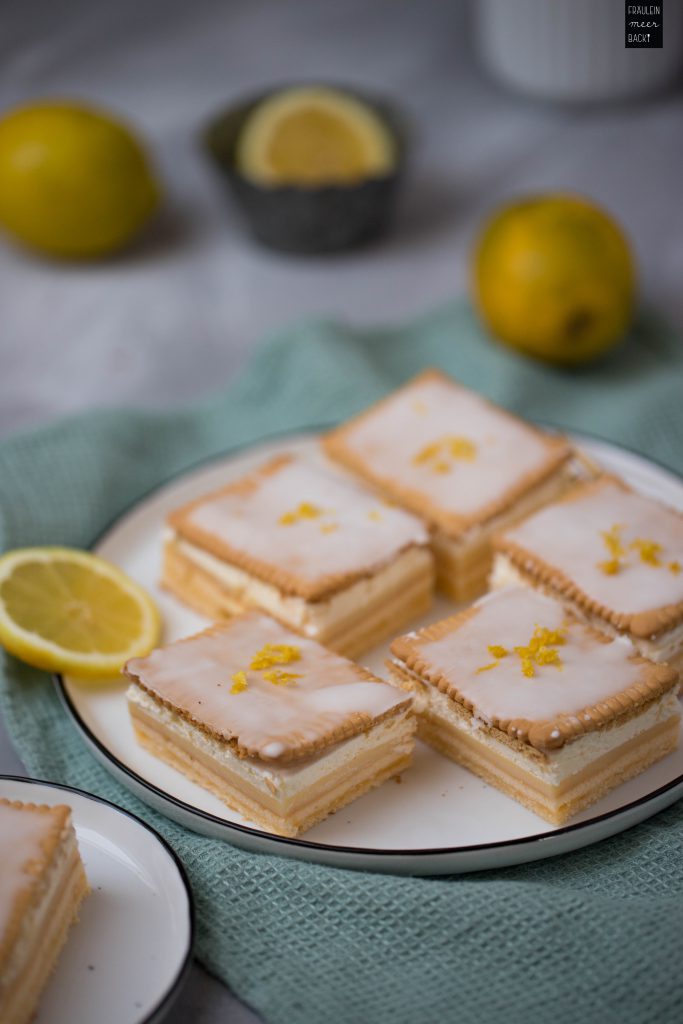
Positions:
{"x": 464, "y": 465}
{"x": 612, "y": 556}
{"x": 541, "y": 706}
{"x": 280, "y": 729}
{"x": 42, "y": 884}
{"x": 306, "y": 546}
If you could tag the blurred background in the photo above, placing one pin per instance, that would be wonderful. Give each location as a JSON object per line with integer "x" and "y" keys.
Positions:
{"x": 501, "y": 98}
{"x": 178, "y": 313}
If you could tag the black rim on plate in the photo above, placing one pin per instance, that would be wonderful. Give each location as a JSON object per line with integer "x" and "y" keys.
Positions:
{"x": 350, "y": 851}
{"x": 160, "y": 1008}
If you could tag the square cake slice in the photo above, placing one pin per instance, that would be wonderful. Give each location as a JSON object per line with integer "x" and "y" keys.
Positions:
{"x": 280, "y": 729}
{"x": 306, "y": 546}
{"x": 42, "y": 884}
{"x": 613, "y": 557}
{"x": 464, "y": 465}
{"x": 539, "y": 705}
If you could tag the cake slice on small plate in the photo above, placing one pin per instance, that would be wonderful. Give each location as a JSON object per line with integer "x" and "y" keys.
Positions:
{"x": 539, "y": 705}
{"x": 466, "y": 466}
{"x": 276, "y": 726}
{"x": 42, "y": 884}
{"x": 613, "y": 557}
{"x": 308, "y": 547}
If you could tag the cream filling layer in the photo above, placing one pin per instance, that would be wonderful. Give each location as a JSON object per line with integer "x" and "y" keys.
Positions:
{"x": 33, "y": 923}
{"x": 313, "y": 618}
{"x": 660, "y": 649}
{"x": 287, "y": 781}
{"x": 556, "y": 766}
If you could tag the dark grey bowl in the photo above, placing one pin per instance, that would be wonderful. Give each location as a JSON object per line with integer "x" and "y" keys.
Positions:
{"x": 302, "y": 219}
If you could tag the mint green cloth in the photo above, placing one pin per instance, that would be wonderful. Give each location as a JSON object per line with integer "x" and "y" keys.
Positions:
{"x": 593, "y": 936}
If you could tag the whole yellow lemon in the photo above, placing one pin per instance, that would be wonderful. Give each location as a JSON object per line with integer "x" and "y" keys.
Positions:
{"x": 553, "y": 276}
{"x": 74, "y": 182}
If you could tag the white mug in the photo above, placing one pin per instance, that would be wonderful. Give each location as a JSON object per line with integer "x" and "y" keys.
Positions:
{"x": 575, "y": 49}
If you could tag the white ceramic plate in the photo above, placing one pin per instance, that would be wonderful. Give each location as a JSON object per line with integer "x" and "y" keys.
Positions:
{"x": 441, "y": 819}
{"x": 126, "y": 959}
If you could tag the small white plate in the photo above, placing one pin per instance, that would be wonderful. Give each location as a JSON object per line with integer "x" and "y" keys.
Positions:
{"x": 125, "y": 960}
{"x": 441, "y": 819}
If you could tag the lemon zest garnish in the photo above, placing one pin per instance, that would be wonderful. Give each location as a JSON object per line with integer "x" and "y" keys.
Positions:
{"x": 279, "y": 678}
{"x": 441, "y": 454}
{"x": 611, "y": 567}
{"x": 547, "y": 656}
{"x": 239, "y": 682}
{"x": 649, "y": 551}
{"x": 553, "y": 637}
{"x": 497, "y": 651}
{"x": 462, "y": 448}
{"x": 305, "y": 510}
{"x": 329, "y": 527}
{"x": 612, "y": 540}
{"x": 375, "y": 515}
{"x": 427, "y": 453}
{"x": 271, "y": 654}
{"x": 541, "y": 650}
{"x": 275, "y": 654}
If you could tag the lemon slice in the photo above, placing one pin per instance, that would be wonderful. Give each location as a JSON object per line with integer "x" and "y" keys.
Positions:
{"x": 314, "y": 136}
{"x": 70, "y": 611}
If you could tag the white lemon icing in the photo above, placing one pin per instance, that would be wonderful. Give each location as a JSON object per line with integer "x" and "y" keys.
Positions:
{"x": 449, "y": 444}
{"x": 588, "y": 671}
{"x": 196, "y": 677}
{"x": 22, "y": 829}
{"x": 310, "y": 522}
{"x": 569, "y": 537}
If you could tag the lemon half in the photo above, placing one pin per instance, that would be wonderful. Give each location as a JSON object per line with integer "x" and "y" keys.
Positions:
{"x": 70, "y": 611}
{"x": 313, "y": 136}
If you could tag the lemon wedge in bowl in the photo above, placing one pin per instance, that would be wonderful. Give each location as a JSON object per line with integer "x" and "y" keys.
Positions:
{"x": 314, "y": 168}
{"x": 314, "y": 136}
{"x": 70, "y": 611}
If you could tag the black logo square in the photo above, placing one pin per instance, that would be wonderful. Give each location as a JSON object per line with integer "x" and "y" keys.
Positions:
{"x": 643, "y": 25}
